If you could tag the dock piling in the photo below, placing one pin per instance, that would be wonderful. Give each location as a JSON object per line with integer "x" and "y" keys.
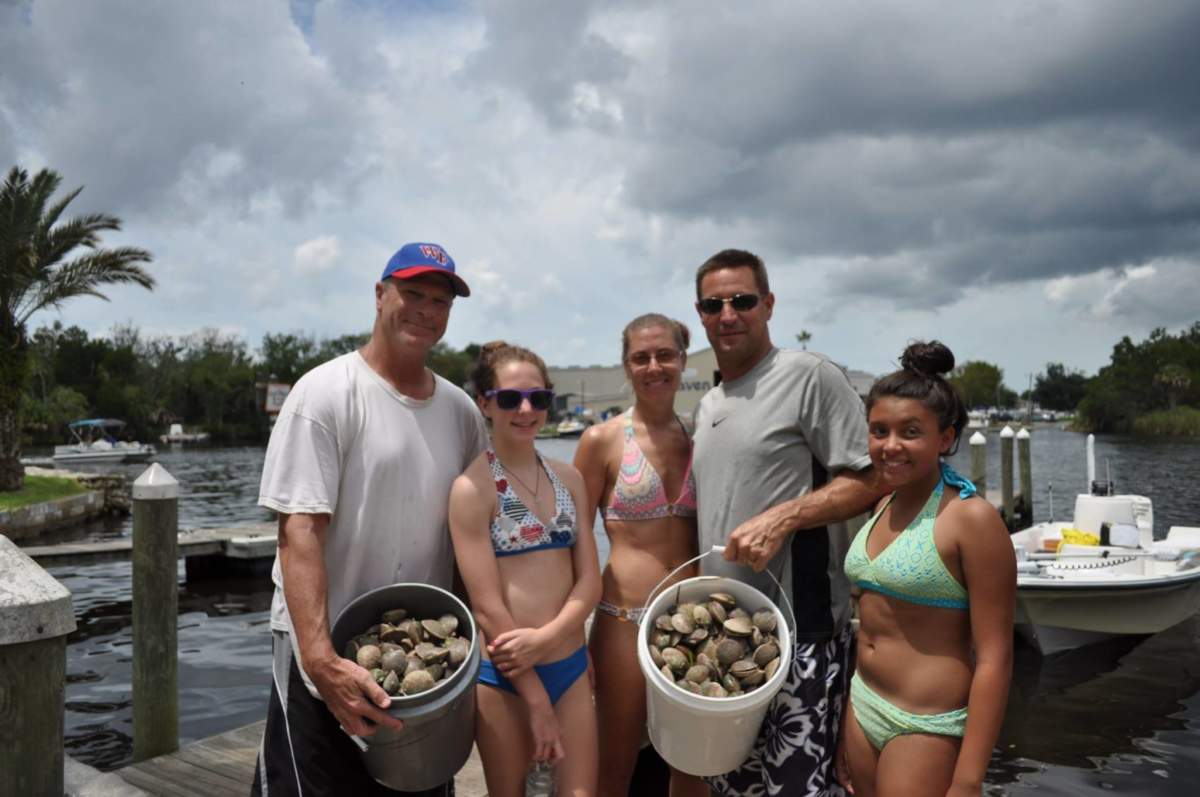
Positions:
{"x": 155, "y": 606}
{"x": 1006, "y": 473}
{"x": 35, "y": 617}
{"x": 1025, "y": 476}
{"x": 979, "y": 462}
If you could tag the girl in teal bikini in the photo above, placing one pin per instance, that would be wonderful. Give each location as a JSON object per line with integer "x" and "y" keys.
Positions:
{"x": 936, "y": 580}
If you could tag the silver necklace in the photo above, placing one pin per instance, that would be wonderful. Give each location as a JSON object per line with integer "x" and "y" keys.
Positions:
{"x": 537, "y": 479}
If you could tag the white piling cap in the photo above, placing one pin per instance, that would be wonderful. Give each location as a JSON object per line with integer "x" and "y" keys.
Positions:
{"x": 33, "y": 605}
{"x": 155, "y": 484}
{"x": 1023, "y": 434}
{"x": 978, "y": 439}
{"x": 1007, "y": 431}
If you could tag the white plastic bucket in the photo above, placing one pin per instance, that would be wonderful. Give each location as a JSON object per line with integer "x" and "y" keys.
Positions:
{"x": 707, "y": 735}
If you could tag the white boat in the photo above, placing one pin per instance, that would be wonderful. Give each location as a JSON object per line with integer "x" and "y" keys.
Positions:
{"x": 571, "y": 427}
{"x": 977, "y": 419}
{"x": 1071, "y": 594}
{"x": 177, "y": 435}
{"x": 94, "y": 445}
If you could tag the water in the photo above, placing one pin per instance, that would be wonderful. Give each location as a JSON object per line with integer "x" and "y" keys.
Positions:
{"x": 1120, "y": 717}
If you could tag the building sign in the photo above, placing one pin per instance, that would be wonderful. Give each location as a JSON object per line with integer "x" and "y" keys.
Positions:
{"x": 276, "y": 393}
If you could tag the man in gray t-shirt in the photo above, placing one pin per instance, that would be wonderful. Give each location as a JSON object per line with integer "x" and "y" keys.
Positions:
{"x": 780, "y": 463}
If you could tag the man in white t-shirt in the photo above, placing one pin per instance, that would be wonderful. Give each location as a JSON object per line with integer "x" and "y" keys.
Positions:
{"x": 359, "y": 468}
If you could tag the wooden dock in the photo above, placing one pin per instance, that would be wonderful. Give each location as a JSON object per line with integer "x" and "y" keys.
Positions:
{"x": 236, "y": 544}
{"x": 223, "y": 766}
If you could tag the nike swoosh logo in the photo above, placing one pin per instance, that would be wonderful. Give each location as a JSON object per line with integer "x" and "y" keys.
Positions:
{"x": 718, "y": 420}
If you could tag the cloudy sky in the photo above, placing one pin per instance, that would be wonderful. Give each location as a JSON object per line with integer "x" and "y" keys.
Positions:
{"x": 1018, "y": 179}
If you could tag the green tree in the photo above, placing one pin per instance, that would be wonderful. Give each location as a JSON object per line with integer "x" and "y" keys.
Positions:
{"x": 34, "y": 275}
{"x": 285, "y": 357}
{"x": 981, "y": 384}
{"x": 1157, "y": 374}
{"x": 803, "y": 338}
{"x": 1176, "y": 379}
{"x": 1059, "y": 388}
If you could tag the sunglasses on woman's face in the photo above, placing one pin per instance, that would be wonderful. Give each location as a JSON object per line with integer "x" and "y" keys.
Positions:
{"x": 641, "y": 359}
{"x": 508, "y": 398}
{"x": 740, "y": 302}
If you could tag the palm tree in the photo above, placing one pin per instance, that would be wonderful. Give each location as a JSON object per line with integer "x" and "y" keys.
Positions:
{"x": 803, "y": 338}
{"x": 1175, "y": 378}
{"x": 34, "y": 276}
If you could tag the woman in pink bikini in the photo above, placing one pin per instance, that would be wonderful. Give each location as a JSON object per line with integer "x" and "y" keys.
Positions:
{"x": 638, "y": 471}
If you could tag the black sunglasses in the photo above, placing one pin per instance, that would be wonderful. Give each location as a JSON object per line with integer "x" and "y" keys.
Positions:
{"x": 740, "y": 302}
{"x": 540, "y": 398}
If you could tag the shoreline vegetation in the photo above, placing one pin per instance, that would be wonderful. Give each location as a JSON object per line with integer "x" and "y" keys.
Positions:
{"x": 216, "y": 382}
{"x": 1179, "y": 422}
{"x": 39, "y": 490}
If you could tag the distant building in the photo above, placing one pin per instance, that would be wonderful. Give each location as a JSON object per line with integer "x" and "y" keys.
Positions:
{"x": 598, "y": 391}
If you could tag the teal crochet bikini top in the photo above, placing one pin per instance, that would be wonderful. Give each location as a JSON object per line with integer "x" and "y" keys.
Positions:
{"x": 910, "y": 568}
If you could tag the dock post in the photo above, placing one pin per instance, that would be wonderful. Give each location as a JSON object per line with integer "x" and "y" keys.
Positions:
{"x": 35, "y": 617}
{"x": 979, "y": 462}
{"x": 1006, "y": 473}
{"x": 155, "y": 609}
{"x": 1025, "y": 476}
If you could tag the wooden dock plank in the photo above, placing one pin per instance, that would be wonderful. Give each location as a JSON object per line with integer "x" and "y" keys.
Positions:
{"x": 193, "y": 542}
{"x": 188, "y": 778}
{"x": 223, "y": 766}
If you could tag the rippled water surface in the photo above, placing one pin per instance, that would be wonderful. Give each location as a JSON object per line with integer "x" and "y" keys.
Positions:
{"x": 1120, "y": 717}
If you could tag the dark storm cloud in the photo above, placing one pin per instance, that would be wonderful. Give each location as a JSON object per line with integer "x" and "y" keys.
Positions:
{"x": 974, "y": 144}
{"x": 195, "y": 105}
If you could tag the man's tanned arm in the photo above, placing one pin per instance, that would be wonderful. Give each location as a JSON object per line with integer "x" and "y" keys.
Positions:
{"x": 849, "y": 493}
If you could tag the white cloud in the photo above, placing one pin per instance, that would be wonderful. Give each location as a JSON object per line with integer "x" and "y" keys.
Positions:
{"x": 1025, "y": 170}
{"x": 316, "y": 256}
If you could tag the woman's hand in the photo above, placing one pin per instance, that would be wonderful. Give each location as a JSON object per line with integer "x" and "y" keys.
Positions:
{"x": 516, "y": 651}
{"x": 547, "y": 740}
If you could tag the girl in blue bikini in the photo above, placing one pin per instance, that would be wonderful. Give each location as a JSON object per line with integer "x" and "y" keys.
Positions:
{"x": 525, "y": 550}
{"x": 936, "y": 579}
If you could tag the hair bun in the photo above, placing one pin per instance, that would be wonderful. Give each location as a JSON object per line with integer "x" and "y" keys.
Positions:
{"x": 493, "y": 346}
{"x": 930, "y": 359}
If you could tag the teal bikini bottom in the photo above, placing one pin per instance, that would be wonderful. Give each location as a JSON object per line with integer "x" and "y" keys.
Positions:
{"x": 882, "y": 722}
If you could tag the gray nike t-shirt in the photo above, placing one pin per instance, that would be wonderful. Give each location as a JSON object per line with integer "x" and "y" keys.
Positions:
{"x": 774, "y": 434}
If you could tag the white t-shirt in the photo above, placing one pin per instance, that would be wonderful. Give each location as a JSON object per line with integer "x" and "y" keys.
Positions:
{"x": 381, "y": 464}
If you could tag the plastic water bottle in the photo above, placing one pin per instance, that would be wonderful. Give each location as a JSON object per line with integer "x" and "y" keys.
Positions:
{"x": 539, "y": 780}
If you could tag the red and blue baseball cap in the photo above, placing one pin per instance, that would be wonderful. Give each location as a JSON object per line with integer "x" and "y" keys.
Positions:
{"x": 415, "y": 259}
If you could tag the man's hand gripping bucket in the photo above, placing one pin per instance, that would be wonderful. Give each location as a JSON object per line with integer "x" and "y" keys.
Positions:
{"x": 708, "y": 735}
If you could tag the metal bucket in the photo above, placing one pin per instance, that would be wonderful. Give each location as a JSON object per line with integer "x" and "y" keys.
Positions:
{"x": 439, "y": 725}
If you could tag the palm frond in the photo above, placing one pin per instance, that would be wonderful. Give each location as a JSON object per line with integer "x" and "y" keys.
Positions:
{"x": 52, "y": 214}
{"x": 84, "y": 275}
{"x": 34, "y": 241}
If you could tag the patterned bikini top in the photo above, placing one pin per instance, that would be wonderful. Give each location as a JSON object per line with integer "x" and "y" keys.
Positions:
{"x": 910, "y": 568}
{"x": 516, "y": 529}
{"x": 638, "y": 493}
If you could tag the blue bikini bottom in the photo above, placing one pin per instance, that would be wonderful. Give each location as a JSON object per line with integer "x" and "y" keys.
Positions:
{"x": 557, "y": 676}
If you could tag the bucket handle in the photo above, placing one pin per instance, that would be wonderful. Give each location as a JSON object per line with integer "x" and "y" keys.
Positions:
{"x": 716, "y": 549}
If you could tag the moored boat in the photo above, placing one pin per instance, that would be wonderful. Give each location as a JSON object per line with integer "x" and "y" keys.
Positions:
{"x": 96, "y": 444}
{"x": 177, "y": 435}
{"x": 571, "y": 427}
{"x": 1103, "y": 574}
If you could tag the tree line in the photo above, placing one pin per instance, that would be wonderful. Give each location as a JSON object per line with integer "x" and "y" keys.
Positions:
{"x": 208, "y": 379}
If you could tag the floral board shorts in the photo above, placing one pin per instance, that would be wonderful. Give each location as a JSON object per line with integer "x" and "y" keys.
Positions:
{"x": 797, "y": 744}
